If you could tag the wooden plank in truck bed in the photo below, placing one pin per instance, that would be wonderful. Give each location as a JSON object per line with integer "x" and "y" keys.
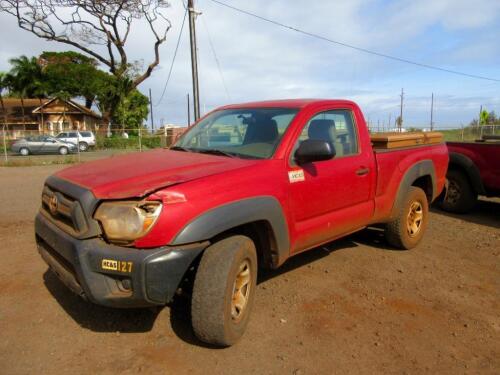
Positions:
{"x": 397, "y": 140}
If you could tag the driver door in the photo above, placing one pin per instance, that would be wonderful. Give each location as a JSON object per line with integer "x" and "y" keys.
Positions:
{"x": 331, "y": 197}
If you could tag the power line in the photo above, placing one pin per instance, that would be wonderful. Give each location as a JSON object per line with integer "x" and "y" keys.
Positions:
{"x": 215, "y": 57}
{"x": 317, "y": 36}
{"x": 173, "y": 60}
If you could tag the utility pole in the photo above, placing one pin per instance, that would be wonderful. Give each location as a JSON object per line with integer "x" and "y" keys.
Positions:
{"x": 151, "y": 109}
{"x": 400, "y": 125}
{"x": 194, "y": 59}
{"x": 189, "y": 112}
{"x": 432, "y": 112}
{"x": 389, "y": 128}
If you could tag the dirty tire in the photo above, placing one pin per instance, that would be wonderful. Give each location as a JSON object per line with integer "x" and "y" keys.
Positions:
{"x": 398, "y": 232}
{"x": 63, "y": 151}
{"x": 212, "y": 313}
{"x": 460, "y": 197}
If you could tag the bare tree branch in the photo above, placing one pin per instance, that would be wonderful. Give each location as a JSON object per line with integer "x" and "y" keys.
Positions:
{"x": 89, "y": 24}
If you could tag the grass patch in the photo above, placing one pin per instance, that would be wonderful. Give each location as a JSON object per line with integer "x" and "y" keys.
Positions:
{"x": 454, "y": 135}
{"x": 29, "y": 162}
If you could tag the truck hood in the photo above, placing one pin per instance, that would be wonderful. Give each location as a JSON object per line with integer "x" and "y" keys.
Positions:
{"x": 138, "y": 174}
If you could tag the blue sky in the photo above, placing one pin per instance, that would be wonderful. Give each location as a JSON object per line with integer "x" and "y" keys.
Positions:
{"x": 262, "y": 61}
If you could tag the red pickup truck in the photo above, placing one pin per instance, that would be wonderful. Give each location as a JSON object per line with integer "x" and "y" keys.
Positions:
{"x": 474, "y": 170}
{"x": 249, "y": 185}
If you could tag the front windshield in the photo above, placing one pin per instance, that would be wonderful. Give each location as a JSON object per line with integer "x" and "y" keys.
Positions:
{"x": 250, "y": 132}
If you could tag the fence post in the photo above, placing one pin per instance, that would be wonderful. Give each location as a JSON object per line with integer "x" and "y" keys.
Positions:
{"x": 5, "y": 145}
{"x": 78, "y": 144}
{"x": 140, "y": 139}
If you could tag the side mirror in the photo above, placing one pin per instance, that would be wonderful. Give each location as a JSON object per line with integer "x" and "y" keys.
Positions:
{"x": 314, "y": 150}
{"x": 54, "y": 141}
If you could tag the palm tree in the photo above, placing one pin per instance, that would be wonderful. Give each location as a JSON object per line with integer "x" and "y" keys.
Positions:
{"x": 25, "y": 79}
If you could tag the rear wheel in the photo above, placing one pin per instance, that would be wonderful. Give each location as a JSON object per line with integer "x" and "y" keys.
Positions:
{"x": 460, "y": 196}
{"x": 408, "y": 229}
{"x": 223, "y": 291}
{"x": 83, "y": 146}
{"x": 24, "y": 151}
{"x": 63, "y": 150}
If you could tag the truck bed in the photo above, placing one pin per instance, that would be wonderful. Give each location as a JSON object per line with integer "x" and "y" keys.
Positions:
{"x": 381, "y": 141}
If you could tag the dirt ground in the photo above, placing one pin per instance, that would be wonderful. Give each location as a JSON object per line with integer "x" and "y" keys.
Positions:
{"x": 353, "y": 306}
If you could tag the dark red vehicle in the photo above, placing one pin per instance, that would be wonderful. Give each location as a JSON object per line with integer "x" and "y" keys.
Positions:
{"x": 474, "y": 170}
{"x": 249, "y": 185}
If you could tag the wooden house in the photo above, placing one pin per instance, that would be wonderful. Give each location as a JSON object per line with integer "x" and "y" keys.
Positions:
{"x": 46, "y": 116}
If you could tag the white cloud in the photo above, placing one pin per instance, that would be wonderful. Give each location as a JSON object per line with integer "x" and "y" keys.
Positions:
{"x": 262, "y": 61}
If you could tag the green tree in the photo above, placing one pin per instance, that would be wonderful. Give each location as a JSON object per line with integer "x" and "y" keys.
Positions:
{"x": 3, "y": 86}
{"x": 71, "y": 72}
{"x": 73, "y": 75}
{"x": 483, "y": 118}
{"x": 100, "y": 29}
{"x": 25, "y": 80}
{"x": 132, "y": 111}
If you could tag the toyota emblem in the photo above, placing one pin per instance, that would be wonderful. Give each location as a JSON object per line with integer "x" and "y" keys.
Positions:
{"x": 53, "y": 203}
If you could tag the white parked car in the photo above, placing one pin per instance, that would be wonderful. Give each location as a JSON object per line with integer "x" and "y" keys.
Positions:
{"x": 84, "y": 139}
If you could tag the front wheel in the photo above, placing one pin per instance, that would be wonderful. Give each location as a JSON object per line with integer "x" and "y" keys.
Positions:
{"x": 63, "y": 151}
{"x": 24, "y": 151}
{"x": 223, "y": 290}
{"x": 83, "y": 146}
{"x": 407, "y": 230}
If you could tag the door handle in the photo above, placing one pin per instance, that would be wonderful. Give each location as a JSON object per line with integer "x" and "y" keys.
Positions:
{"x": 362, "y": 171}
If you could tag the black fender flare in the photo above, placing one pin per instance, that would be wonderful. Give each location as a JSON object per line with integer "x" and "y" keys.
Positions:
{"x": 420, "y": 169}
{"x": 222, "y": 218}
{"x": 469, "y": 168}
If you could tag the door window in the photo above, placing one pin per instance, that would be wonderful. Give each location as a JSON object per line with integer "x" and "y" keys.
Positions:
{"x": 334, "y": 126}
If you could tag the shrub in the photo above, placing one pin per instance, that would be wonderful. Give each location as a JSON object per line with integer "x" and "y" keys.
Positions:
{"x": 132, "y": 142}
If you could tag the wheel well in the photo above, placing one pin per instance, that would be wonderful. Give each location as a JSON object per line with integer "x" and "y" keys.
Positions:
{"x": 425, "y": 183}
{"x": 460, "y": 168}
{"x": 461, "y": 163}
{"x": 262, "y": 235}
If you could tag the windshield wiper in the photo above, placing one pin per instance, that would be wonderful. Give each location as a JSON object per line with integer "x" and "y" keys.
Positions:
{"x": 180, "y": 148}
{"x": 214, "y": 151}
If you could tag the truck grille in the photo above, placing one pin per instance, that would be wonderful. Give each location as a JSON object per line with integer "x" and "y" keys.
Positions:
{"x": 70, "y": 208}
{"x": 63, "y": 211}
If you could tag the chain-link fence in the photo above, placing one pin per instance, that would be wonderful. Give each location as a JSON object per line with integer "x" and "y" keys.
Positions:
{"x": 31, "y": 147}
{"x": 470, "y": 133}
{"x": 452, "y": 133}
{"x": 40, "y": 148}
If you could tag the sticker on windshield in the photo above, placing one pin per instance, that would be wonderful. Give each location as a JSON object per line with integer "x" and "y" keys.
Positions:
{"x": 296, "y": 176}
